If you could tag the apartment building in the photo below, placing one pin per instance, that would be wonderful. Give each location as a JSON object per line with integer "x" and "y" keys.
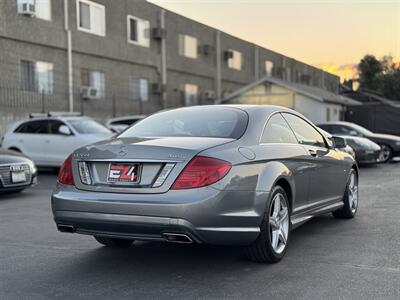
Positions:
{"x": 125, "y": 57}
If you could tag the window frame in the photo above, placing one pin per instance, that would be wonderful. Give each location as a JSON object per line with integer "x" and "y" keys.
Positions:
{"x": 185, "y": 85}
{"x": 128, "y": 31}
{"x": 132, "y": 86}
{"x": 36, "y": 77}
{"x": 269, "y": 67}
{"x": 261, "y": 142}
{"x": 102, "y": 90}
{"x": 326, "y": 144}
{"x": 182, "y": 46}
{"x": 94, "y": 4}
{"x": 230, "y": 62}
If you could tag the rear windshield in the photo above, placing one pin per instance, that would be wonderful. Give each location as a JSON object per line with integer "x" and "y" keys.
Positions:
{"x": 218, "y": 122}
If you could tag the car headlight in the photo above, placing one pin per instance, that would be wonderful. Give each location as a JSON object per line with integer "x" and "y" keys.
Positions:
{"x": 33, "y": 168}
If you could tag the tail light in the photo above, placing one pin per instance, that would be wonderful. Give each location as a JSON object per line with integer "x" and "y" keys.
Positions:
{"x": 201, "y": 171}
{"x": 65, "y": 174}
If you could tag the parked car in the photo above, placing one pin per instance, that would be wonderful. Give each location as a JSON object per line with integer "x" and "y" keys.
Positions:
{"x": 366, "y": 151}
{"x": 121, "y": 123}
{"x": 390, "y": 144}
{"x": 238, "y": 175}
{"x": 17, "y": 172}
{"x": 49, "y": 140}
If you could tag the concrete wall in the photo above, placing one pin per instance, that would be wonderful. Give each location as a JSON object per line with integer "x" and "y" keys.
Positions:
{"x": 35, "y": 39}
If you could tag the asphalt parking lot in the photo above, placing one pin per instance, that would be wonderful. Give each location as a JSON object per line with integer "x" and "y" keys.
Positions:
{"x": 327, "y": 258}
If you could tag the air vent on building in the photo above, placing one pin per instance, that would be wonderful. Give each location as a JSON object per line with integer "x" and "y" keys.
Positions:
{"x": 228, "y": 54}
{"x": 158, "y": 33}
{"x": 89, "y": 93}
{"x": 157, "y": 88}
{"x": 206, "y": 49}
{"x": 27, "y": 8}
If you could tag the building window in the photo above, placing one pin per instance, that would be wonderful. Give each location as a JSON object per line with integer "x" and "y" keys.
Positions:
{"x": 94, "y": 79}
{"x": 42, "y": 8}
{"x": 187, "y": 46}
{"x": 138, "y": 31}
{"x": 140, "y": 89}
{"x": 91, "y": 17}
{"x": 235, "y": 62}
{"x": 269, "y": 67}
{"x": 191, "y": 94}
{"x": 37, "y": 76}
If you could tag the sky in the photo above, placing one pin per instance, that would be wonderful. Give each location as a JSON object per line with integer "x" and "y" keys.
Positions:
{"x": 330, "y": 34}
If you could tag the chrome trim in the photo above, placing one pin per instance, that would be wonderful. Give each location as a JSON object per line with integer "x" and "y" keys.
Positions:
{"x": 230, "y": 229}
{"x": 163, "y": 175}
{"x": 133, "y": 160}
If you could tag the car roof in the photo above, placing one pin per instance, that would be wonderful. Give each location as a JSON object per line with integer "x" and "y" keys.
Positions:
{"x": 336, "y": 123}
{"x": 126, "y": 118}
{"x": 247, "y": 108}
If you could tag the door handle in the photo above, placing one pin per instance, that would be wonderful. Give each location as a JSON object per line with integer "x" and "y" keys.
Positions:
{"x": 47, "y": 141}
{"x": 312, "y": 152}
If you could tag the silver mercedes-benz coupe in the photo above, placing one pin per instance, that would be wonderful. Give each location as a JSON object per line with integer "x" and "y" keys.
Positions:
{"x": 237, "y": 175}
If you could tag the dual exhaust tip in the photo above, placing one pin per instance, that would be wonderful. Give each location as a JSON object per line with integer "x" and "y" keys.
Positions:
{"x": 177, "y": 238}
{"x": 169, "y": 237}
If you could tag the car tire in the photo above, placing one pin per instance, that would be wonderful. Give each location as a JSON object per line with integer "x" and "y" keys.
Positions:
{"x": 271, "y": 244}
{"x": 350, "y": 198}
{"x": 387, "y": 153}
{"x": 113, "y": 242}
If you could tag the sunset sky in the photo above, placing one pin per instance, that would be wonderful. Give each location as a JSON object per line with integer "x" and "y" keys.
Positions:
{"x": 332, "y": 34}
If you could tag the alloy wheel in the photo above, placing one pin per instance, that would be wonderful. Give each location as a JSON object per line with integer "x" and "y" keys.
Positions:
{"x": 278, "y": 223}
{"x": 353, "y": 193}
{"x": 386, "y": 153}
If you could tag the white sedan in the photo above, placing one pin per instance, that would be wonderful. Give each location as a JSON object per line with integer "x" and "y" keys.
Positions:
{"x": 49, "y": 140}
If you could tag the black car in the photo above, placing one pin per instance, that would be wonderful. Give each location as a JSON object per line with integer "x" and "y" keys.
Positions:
{"x": 366, "y": 151}
{"x": 17, "y": 172}
{"x": 390, "y": 144}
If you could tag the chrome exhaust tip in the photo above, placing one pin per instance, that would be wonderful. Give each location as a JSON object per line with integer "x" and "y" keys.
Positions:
{"x": 177, "y": 238}
{"x": 65, "y": 228}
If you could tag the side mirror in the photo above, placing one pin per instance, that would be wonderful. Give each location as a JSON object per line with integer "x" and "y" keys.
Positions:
{"x": 339, "y": 142}
{"x": 64, "y": 130}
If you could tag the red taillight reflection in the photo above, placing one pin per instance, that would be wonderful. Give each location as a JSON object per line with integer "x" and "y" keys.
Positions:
{"x": 65, "y": 175}
{"x": 201, "y": 171}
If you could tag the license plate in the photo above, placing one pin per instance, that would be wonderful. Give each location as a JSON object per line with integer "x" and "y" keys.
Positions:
{"x": 123, "y": 172}
{"x": 18, "y": 177}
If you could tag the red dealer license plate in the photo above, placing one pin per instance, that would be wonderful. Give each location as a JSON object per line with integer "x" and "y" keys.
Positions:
{"x": 123, "y": 172}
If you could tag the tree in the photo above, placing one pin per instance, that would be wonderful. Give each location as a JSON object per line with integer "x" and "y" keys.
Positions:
{"x": 381, "y": 76}
{"x": 369, "y": 70}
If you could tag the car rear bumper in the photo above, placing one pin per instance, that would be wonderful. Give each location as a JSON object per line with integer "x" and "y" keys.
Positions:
{"x": 205, "y": 215}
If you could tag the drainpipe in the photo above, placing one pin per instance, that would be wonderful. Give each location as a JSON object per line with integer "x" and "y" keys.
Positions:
{"x": 163, "y": 61}
{"x": 218, "y": 77}
{"x": 69, "y": 56}
{"x": 256, "y": 62}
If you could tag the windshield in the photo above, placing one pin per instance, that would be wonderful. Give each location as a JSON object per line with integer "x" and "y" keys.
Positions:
{"x": 88, "y": 126}
{"x": 218, "y": 122}
{"x": 360, "y": 129}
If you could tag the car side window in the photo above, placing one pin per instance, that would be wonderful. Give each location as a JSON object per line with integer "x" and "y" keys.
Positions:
{"x": 55, "y": 126}
{"x": 305, "y": 133}
{"x": 278, "y": 131}
{"x": 34, "y": 127}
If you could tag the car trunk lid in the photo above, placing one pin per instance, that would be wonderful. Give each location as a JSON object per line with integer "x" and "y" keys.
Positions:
{"x": 156, "y": 162}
